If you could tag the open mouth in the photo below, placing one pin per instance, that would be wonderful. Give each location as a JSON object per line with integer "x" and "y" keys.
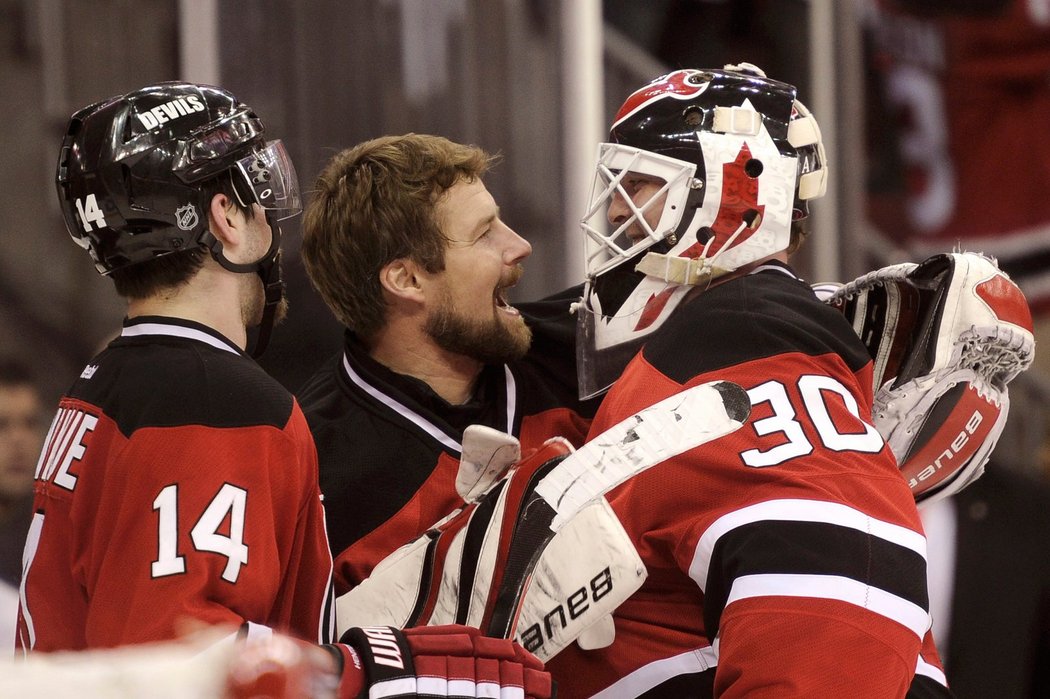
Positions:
{"x": 500, "y": 298}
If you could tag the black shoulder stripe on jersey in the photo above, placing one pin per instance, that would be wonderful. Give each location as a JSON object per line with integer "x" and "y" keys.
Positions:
{"x": 474, "y": 539}
{"x": 810, "y": 548}
{"x": 173, "y": 382}
{"x": 747, "y": 319}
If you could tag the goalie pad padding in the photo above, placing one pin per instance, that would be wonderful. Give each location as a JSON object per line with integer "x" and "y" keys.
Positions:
{"x": 588, "y": 570}
{"x": 946, "y": 337}
{"x": 445, "y": 576}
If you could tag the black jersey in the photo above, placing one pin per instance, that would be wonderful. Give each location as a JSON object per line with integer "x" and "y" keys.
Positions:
{"x": 389, "y": 446}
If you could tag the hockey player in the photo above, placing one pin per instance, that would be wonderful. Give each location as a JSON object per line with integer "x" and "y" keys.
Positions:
{"x": 787, "y": 558}
{"x": 407, "y": 247}
{"x": 178, "y": 482}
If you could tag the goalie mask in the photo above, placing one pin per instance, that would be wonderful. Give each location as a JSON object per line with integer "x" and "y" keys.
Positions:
{"x": 134, "y": 171}
{"x": 703, "y": 174}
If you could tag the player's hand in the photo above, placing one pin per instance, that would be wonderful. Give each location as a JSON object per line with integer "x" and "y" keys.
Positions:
{"x": 280, "y": 667}
{"x": 438, "y": 661}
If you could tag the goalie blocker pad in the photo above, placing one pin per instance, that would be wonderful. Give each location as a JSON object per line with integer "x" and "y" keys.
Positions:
{"x": 446, "y": 575}
{"x": 541, "y": 557}
{"x": 946, "y": 337}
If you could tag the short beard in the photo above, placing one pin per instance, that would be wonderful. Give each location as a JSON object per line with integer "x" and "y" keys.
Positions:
{"x": 253, "y": 305}
{"x": 489, "y": 342}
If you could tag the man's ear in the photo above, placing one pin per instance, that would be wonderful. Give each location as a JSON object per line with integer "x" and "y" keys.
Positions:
{"x": 402, "y": 279}
{"x": 226, "y": 221}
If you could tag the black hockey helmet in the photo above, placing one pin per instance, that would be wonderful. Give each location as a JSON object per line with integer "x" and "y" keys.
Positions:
{"x": 132, "y": 173}
{"x": 130, "y": 170}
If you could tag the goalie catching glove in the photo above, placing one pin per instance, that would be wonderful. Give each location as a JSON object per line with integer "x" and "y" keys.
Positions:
{"x": 946, "y": 337}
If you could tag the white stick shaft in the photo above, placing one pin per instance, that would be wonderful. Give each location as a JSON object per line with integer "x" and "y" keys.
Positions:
{"x": 663, "y": 430}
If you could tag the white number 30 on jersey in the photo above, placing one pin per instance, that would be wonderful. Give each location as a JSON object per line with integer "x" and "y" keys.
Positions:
{"x": 228, "y": 502}
{"x": 822, "y": 396}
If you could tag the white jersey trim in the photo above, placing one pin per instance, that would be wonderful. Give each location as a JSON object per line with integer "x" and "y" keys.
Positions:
{"x": 326, "y": 622}
{"x": 141, "y": 329}
{"x": 486, "y": 690}
{"x": 659, "y": 671}
{"x": 399, "y": 687}
{"x": 420, "y": 421}
{"x": 798, "y": 511}
{"x": 932, "y": 671}
{"x": 512, "y": 398}
{"x": 834, "y": 587}
{"x": 774, "y": 268}
{"x": 28, "y": 554}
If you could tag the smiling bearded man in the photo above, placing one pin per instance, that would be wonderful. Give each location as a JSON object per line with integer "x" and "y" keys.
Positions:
{"x": 489, "y": 341}
{"x": 406, "y": 245}
{"x": 478, "y": 245}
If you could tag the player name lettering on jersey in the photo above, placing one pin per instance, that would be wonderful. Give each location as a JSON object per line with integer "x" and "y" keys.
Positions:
{"x": 385, "y": 650}
{"x": 65, "y": 444}
{"x": 161, "y": 114}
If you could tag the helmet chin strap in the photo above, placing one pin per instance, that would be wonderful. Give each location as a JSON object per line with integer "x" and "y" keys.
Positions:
{"x": 273, "y": 288}
{"x": 268, "y": 268}
{"x": 692, "y": 271}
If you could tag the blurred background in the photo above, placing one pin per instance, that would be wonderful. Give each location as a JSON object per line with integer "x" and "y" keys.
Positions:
{"x": 933, "y": 114}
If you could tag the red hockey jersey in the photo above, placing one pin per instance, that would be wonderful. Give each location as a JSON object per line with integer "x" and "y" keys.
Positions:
{"x": 955, "y": 122}
{"x": 178, "y": 482}
{"x": 786, "y": 559}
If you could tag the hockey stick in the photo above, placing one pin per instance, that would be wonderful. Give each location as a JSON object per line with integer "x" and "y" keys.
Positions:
{"x": 670, "y": 427}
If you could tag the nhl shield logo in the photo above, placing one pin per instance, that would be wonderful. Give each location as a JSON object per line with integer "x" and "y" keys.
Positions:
{"x": 186, "y": 217}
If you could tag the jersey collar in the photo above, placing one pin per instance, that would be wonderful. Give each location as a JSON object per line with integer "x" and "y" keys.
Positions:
{"x": 367, "y": 375}
{"x": 142, "y": 326}
{"x": 775, "y": 266}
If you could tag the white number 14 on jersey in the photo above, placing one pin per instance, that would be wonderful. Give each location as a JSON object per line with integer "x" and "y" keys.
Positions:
{"x": 229, "y": 501}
